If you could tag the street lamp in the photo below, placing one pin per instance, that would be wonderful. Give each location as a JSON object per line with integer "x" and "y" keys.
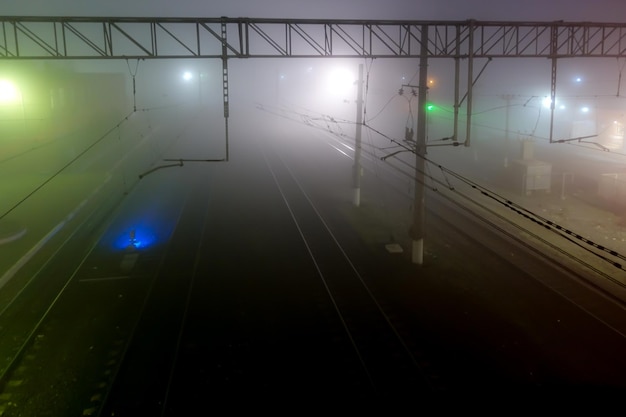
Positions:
{"x": 188, "y": 76}
{"x": 339, "y": 82}
{"x": 547, "y": 102}
{"x": 10, "y": 95}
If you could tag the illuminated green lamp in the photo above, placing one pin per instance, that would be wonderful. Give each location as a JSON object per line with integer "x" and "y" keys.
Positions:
{"x": 8, "y": 92}
{"x": 430, "y": 107}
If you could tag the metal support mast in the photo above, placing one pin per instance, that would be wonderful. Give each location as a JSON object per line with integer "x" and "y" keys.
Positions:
{"x": 553, "y": 48}
{"x": 225, "y": 82}
{"x": 357, "y": 147}
{"x": 470, "y": 85}
{"x": 457, "y": 72}
{"x": 417, "y": 229}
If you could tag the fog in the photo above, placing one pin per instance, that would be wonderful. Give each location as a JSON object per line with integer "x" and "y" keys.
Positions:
{"x": 101, "y": 125}
{"x": 116, "y": 156}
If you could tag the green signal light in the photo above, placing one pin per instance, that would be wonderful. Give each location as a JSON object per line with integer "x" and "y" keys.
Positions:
{"x": 430, "y": 107}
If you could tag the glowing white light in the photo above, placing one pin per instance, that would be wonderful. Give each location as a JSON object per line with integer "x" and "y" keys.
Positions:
{"x": 187, "y": 76}
{"x": 584, "y": 109}
{"x": 578, "y": 79}
{"x": 8, "y": 92}
{"x": 340, "y": 82}
{"x": 546, "y": 102}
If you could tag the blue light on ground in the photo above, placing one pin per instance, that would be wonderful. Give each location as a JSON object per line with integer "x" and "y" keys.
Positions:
{"x": 136, "y": 237}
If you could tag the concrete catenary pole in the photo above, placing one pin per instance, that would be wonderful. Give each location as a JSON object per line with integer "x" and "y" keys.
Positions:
{"x": 417, "y": 229}
{"x": 356, "y": 169}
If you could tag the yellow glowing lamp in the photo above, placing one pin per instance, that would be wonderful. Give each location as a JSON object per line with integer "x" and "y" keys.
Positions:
{"x": 8, "y": 92}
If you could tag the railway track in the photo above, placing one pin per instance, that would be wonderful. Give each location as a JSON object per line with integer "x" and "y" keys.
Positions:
{"x": 201, "y": 336}
{"x": 369, "y": 327}
{"x": 207, "y": 317}
{"x": 555, "y": 245}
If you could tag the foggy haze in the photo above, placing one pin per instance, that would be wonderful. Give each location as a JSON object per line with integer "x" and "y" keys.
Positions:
{"x": 510, "y": 116}
{"x": 207, "y": 226}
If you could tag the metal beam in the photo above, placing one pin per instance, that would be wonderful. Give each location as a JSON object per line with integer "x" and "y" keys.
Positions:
{"x": 39, "y": 37}
{"x": 417, "y": 228}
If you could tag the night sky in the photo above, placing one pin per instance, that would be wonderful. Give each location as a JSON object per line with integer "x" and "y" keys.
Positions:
{"x": 502, "y": 10}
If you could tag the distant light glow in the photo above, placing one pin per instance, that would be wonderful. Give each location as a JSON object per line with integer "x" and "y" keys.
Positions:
{"x": 546, "y": 102}
{"x": 8, "y": 92}
{"x": 187, "y": 76}
{"x": 584, "y": 109}
{"x": 340, "y": 82}
{"x": 578, "y": 79}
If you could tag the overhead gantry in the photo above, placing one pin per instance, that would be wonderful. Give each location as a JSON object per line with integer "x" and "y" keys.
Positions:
{"x": 24, "y": 37}
{"x": 58, "y": 38}
{"x": 30, "y": 37}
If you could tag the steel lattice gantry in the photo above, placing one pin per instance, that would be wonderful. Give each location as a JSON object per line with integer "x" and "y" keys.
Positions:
{"x": 122, "y": 37}
{"x": 29, "y": 37}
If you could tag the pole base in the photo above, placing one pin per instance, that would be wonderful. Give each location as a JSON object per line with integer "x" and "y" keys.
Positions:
{"x": 417, "y": 251}
{"x": 356, "y": 197}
